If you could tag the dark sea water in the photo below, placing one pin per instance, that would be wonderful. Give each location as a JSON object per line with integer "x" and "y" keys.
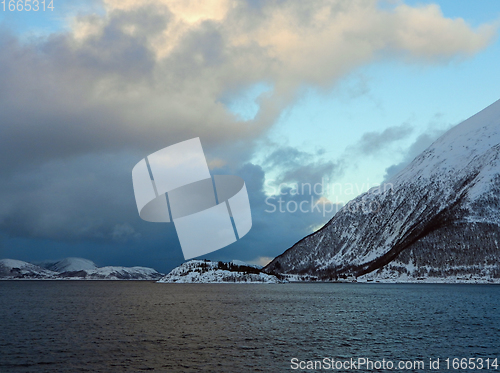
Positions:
{"x": 120, "y": 326}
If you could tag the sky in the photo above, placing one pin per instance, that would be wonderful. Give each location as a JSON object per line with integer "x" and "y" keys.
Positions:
{"x": 309, "y": 102}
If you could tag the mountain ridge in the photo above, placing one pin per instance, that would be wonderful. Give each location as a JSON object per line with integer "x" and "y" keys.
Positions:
{"x": 455, "y": 183}
{"x": 72, "y": 269}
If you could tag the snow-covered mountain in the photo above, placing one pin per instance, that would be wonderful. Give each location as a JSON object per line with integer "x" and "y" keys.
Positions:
{"x": 113, "y": 273}
{"x": 11, "y": 268}
{"x": 204, "y": 271}
{"x": 69, "y": 264}
{"x": 74, "y": 269}
{"x": 440, "y": 219}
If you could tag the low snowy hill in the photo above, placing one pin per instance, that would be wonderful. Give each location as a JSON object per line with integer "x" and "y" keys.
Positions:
{"x": 73, "y": 269}
{"x": 10, "y": 268}
{"x": 204, "y": 271}
{"x": 438, "y": 218}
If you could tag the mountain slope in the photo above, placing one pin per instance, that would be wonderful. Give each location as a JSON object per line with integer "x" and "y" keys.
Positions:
{"x": 71, "y": 264}
{"x": 440, "y": 218}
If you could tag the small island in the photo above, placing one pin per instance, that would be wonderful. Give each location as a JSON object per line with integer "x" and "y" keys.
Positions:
{"x": 206, "y": 271}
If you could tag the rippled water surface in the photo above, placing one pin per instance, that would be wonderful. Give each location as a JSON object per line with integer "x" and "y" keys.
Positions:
{"x": 108, "y": 326}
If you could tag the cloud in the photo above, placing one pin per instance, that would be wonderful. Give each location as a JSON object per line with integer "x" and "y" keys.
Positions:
{"x": 422, "y": 142}
{"x": 151, "y": 72}
{"x": 424, "y": 32}
{"x": 124, "y": 232}
{"x": 374, "y": 142}
{"x": 290, "y": 165}
{"x": 86, "y": 198}
{"x": 79, "y": 108}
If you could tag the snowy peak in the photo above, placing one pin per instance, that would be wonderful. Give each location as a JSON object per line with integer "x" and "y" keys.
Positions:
{"x": 455, "y": 149}
{"x": 442, "y": 215}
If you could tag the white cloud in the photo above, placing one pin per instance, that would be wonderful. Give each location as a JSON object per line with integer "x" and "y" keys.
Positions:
{"x": 203, "y": 51}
